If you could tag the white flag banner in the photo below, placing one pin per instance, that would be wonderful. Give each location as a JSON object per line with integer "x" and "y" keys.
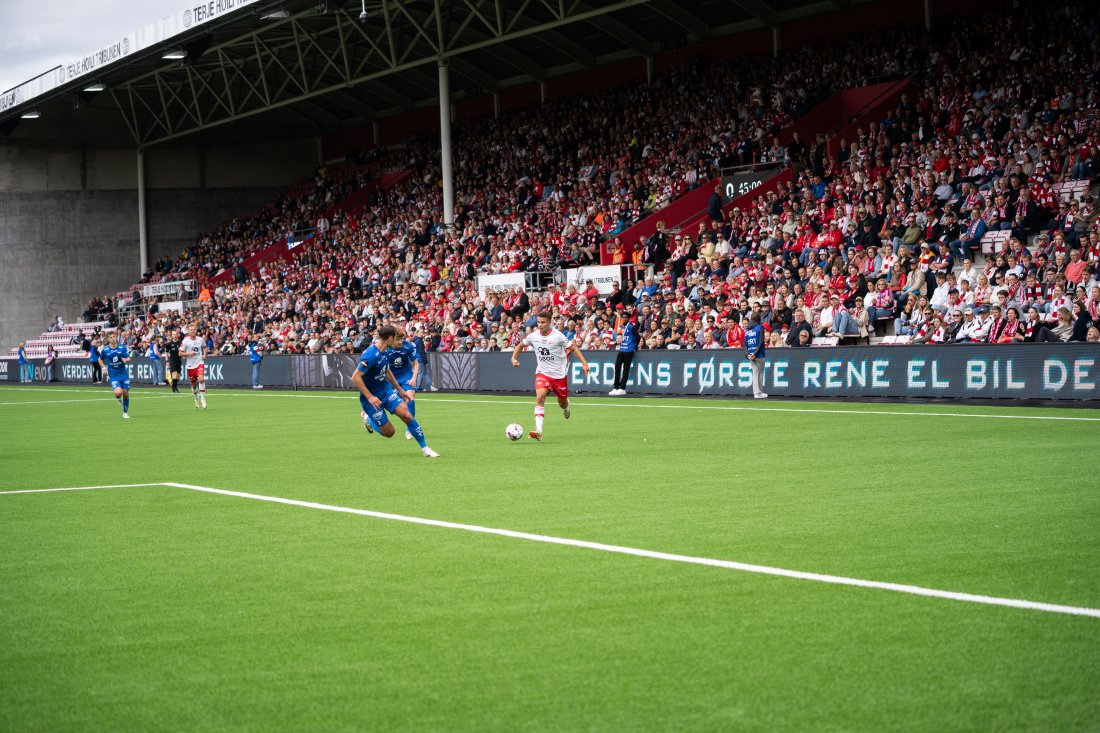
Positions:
{"x": 151, "y": 36}
{"x": 169, "y": 288}
{"x": 602, "y": 276}
{"x": 506, "y": 281}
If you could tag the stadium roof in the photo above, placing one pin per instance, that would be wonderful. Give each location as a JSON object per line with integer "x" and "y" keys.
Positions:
{"x": 284, "y": 68}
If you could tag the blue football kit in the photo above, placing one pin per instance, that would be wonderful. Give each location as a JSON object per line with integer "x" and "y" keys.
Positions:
{"x": 401, "y": 359}
{"x": 117, "y": 373}
{"x": 373, "y": 366}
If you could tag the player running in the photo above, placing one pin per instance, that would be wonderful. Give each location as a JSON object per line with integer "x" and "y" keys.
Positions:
{"x": 114, "y": 357}
{"x": 379, "y": 391}
{"x": 404, "y": 361}
{"x": 193, "y": 349}
{"x": 552, "y": 349}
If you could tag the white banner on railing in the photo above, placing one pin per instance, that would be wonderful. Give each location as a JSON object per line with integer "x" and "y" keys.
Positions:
{"x": 506, "y": 281}
{"x": 169, "y": 288}
{"x": 170, "y": 305}
{"x": 150, "y": 36}
{"x": 602, "y": 276}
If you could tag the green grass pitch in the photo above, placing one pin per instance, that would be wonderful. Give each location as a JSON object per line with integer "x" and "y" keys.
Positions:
{"x": 162, "y": 608}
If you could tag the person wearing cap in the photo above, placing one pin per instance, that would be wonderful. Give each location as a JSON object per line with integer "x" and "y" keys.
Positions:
{"x": 866, "y": 236}
{"x": 911, "y": 233}
{"x": 973, "y": 330}
{"x": 843, "y": 324}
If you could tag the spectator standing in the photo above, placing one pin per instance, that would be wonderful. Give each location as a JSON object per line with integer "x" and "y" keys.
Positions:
{"x": 714, "y": 204}
{"x": 425, "y": 378}
{"x": 628, "y": 346}
{"x": 153, "y": 355}
{"x": 93, "y": 357}
{"x": 256, "y": 356}
{"x": 51, "y": 358}
{"x": 25, "y": 374}
{"x": 755, "y": 351}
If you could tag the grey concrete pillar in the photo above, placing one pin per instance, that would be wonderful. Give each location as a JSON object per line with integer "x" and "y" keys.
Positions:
{"x": 445, "y": 142}
{"x": 143, "y": 233}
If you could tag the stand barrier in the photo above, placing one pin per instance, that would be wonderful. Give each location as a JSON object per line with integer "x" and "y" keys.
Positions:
{"x": 1024, "y": 371}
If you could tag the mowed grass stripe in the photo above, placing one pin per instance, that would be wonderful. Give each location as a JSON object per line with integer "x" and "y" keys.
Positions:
{"x": 616, "y": 549}
{"x": 277, "y": 620}
{"x": 662, "y": 403}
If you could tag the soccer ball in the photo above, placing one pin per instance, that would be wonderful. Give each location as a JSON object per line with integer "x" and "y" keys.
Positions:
{"x": 514, "y": 431}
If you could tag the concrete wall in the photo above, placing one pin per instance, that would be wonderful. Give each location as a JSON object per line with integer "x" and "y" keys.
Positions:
{"x": 69, "y": 225}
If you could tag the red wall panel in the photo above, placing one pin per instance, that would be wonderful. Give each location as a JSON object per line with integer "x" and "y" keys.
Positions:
{"x": 742, "y": 44}
{"x": 474, "y": 107}
{"x": 627, "y": 71}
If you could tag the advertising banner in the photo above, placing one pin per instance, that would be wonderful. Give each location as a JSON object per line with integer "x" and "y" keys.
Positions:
{"x": 603, "y": 277}
{"x": 154, "y": 35}
{"x": 496, "y": 283}
{"x": 229, "y": 371}
{"x": 169, "y": 288}
{"x": 1031, "y": 371}
{"x": 1025, "y": 371}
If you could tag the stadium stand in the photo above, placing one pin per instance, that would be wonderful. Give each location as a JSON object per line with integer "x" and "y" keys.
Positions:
{"x": 994, "y": 164}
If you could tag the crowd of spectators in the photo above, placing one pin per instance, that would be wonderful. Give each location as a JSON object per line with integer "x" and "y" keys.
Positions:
{"x": 875, "y": 234}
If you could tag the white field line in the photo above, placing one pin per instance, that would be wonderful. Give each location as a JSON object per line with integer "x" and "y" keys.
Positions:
{"x": 90, "y": 399}
{"x": 650, "y": 406}
{"x": 90, "y": 389}
{"x": 77, "y": 488}
{"x": 639, "y": 405}
{"x": 726, "y": 564}
{"x": 620, "y": 550}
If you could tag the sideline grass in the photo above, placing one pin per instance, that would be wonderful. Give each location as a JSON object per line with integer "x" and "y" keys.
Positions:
{"x": 157, "y": 607}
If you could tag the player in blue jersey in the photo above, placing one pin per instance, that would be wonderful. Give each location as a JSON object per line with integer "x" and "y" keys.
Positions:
{"x": 114, "y": 357}
{"x": 379, "y": 391}
{"x": 404, "y": 359}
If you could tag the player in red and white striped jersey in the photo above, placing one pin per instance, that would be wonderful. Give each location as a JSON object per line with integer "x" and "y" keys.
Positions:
{"x": 552, "y": 349}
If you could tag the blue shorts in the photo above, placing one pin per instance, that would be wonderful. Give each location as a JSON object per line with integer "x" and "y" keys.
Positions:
{"x": 120, "y": 382}
{"x": 406, "y": 383}
{"x": 390, "y": 401}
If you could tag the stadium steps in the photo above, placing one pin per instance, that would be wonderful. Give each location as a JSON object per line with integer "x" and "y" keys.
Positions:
{"x": 60, "y": 340}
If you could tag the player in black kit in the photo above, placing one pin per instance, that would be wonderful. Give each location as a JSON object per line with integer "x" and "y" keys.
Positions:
{"x": 173, "y": 347}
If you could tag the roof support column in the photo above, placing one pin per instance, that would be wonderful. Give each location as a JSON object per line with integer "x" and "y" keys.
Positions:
{"x": 445, "y": 143}
{"x": 143, "y": 235}
{"x": 927, "y": 15}
{"x": 776, "y": 41}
